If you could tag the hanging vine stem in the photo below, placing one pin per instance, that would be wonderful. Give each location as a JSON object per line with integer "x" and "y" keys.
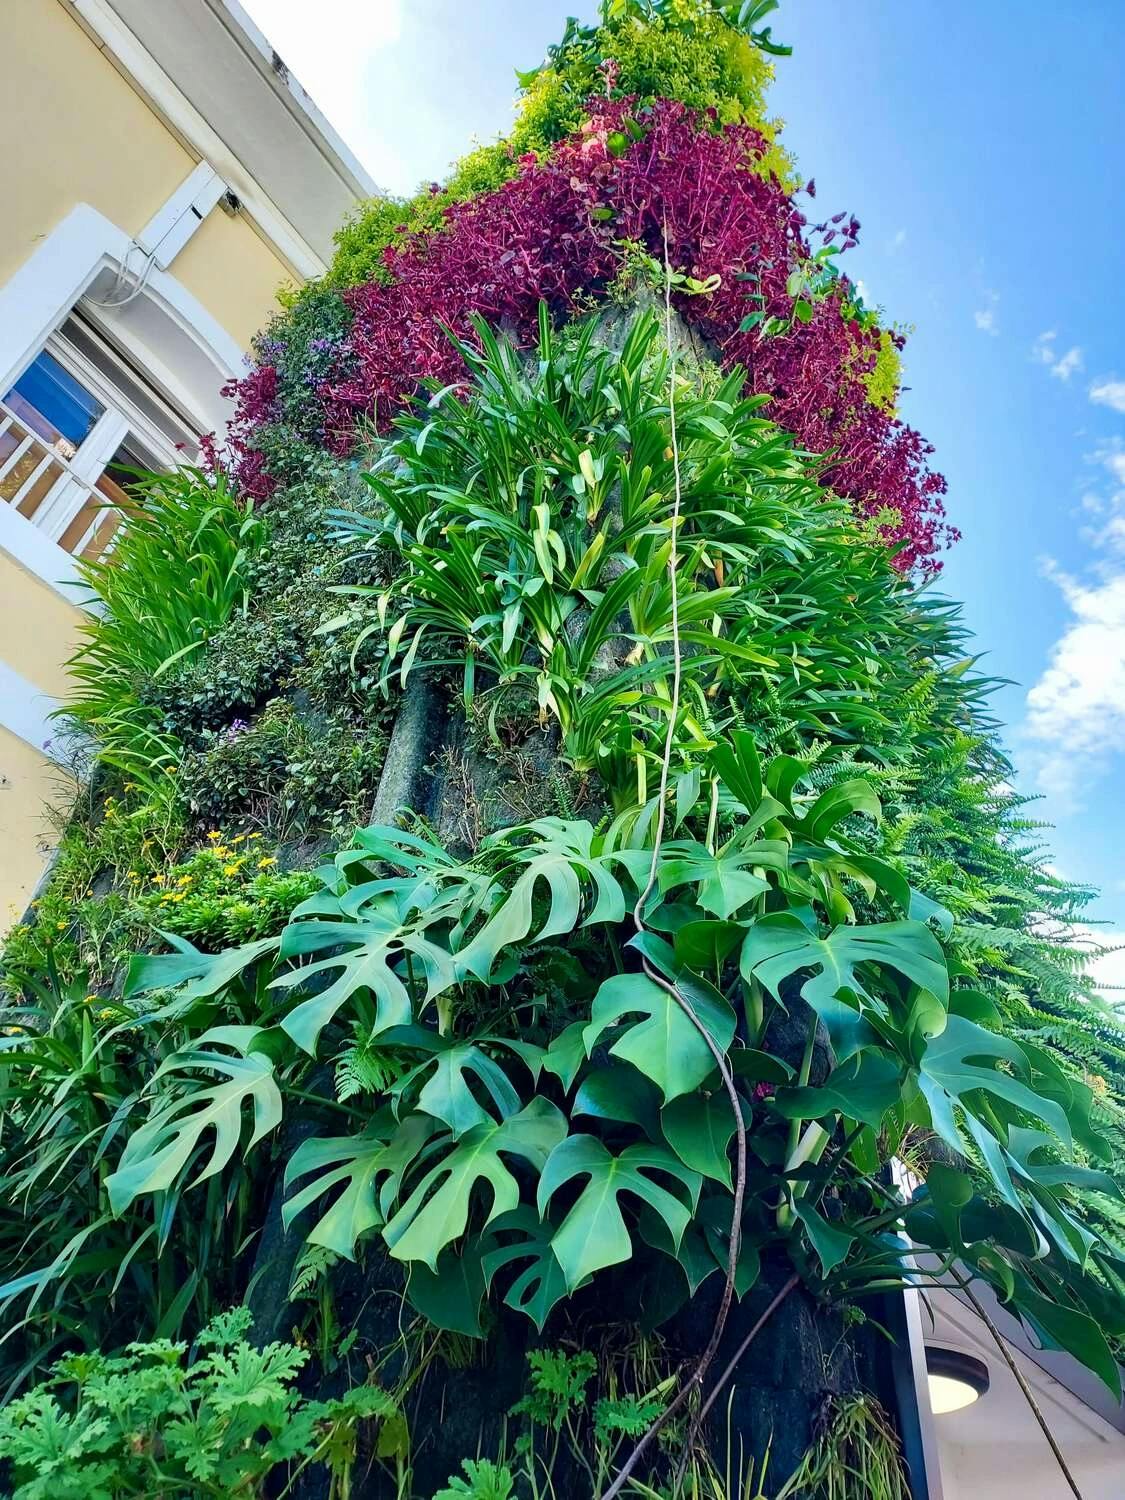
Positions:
{"x": 705, "y": 1359}
{"x": 1009, "y": 1359}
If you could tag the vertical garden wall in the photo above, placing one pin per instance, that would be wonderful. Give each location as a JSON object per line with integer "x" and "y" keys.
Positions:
{"x": 549, "y": 861}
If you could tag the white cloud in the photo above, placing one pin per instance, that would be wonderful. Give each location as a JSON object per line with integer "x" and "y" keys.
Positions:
{"x": 1112, "y": 457}
{"x": 330, "y": 47}
{"x": 985, "y": 317}
{"x": 897, "y": 240}
{"x": 1106, "y": 962}
{"x": 1064, "y": 368}
{"x": 1076, "y": 710}
{"x": 1109, "y": 393}
{"x": 1061, "y": 366}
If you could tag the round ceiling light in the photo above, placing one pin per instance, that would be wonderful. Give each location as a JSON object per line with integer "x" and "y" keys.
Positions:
{"x": 956, "y": 1380}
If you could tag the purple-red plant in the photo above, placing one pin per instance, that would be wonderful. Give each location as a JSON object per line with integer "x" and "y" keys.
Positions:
{"x": 552, "y": 234}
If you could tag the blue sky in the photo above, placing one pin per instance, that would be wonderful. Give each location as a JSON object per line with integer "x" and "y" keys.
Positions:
{"x": 981, "y": 146}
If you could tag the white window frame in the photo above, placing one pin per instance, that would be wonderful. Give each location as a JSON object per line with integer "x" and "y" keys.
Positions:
{"x": 38, "y": 299}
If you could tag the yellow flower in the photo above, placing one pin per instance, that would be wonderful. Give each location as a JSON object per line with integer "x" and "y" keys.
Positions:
{"x": 89, "y": 999}
{"x": 213, "y": 835}
{"x": 13, "y": 1030}
{"x": 158, "y": 879}
{"x": 169, "y": 770}
{"x": 265, "y": 863}
{"x": 105, "y": 1015}
{"x": 185, "y": 880}
{"x": 220, "y": 851}
{"x": 177, "y": 895}
{"x": 253, "y": 835}
{"x": 167, "y": 895}
{"x": 60, "y": 926}
{"x": 239, "y": 838}
{"x": 134, "y": 874}
{"x": 234, "y": 867}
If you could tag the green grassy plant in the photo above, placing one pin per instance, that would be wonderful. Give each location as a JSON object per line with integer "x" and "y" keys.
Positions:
{"x": 176, "y": 574}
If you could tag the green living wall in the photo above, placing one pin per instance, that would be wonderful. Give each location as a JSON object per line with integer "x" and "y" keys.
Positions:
{"x": 548, "y": 855}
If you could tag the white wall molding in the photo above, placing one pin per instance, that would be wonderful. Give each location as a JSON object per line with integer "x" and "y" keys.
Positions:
{"x": 145, "y": 73}
{"x": 170, "y": 228}
{"x": 48, "y": 284}
{"x": 35, "y": 551}
{"x": 25, "y": 711}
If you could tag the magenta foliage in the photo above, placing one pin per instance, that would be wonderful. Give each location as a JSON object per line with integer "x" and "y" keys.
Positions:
{"x": 550, "y": 235}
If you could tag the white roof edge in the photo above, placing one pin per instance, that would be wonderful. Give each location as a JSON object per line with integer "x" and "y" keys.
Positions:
{"x": 297, "y": 99}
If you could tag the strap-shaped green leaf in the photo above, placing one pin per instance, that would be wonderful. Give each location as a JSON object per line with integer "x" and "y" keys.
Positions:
{"x": 179, "y": 1126}
{"x": 666, "y": 1046}
{"x": 594, "y": 1234}
{"x": 437, "y": 1210}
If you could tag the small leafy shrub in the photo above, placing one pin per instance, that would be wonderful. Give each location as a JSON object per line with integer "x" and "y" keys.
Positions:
{"x": 80, "y": 922}
{"x": 226, "y": 892}
{"x": 284, "y": 774}
{"x": 688, "y": 52}
{"x": 483, "y": 1480}
{"x": 238, "y": 671}
{"x": 155, "y": 1421}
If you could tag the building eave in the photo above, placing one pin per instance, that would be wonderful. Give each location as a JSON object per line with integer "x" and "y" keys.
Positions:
{"x": 215, "y": 80}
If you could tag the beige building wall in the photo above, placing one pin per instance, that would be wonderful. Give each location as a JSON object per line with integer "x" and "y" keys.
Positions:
{"x": 38, "y": 632}
{"x": 97, "y": 141}
{"x": 29, "y": 785}
{"x": 233, "y": 272}
{"x": 89, "y": 137}
{"x": 38, "y": 628}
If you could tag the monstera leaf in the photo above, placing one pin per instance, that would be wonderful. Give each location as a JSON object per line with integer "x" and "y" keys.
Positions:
{"x": 203, "y": 974}
{"x": 780, "y": 945}
{"x": 556, "y": 864}
{"x": 666, "y": 1046}
{"x": 725, "y": 881}
{"x": 376, "y": 948}
{"x": 964, "y": 1058}
{"x": 447, "y": 1094}
{"x": 963, "y": 1061}
{"x": 367, "y": 1169}
{"x": 698, "y": 1128}
{"x": 181, "y": 1123}
{"x": 437, "y": 1210}
{"x": 863, "y": 1088}
{"x": 594, "y": 1233}
{"x": 541, "y": 1283}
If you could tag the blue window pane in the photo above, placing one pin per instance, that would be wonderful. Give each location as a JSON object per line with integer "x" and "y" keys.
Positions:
{"x": 64, "y": 408}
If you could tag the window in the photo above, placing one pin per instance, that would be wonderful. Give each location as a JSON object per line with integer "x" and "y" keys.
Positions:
{"x": 74, "y": 422}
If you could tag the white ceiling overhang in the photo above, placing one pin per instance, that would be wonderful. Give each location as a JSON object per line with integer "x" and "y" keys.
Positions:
{"x": 214, "y": 77}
